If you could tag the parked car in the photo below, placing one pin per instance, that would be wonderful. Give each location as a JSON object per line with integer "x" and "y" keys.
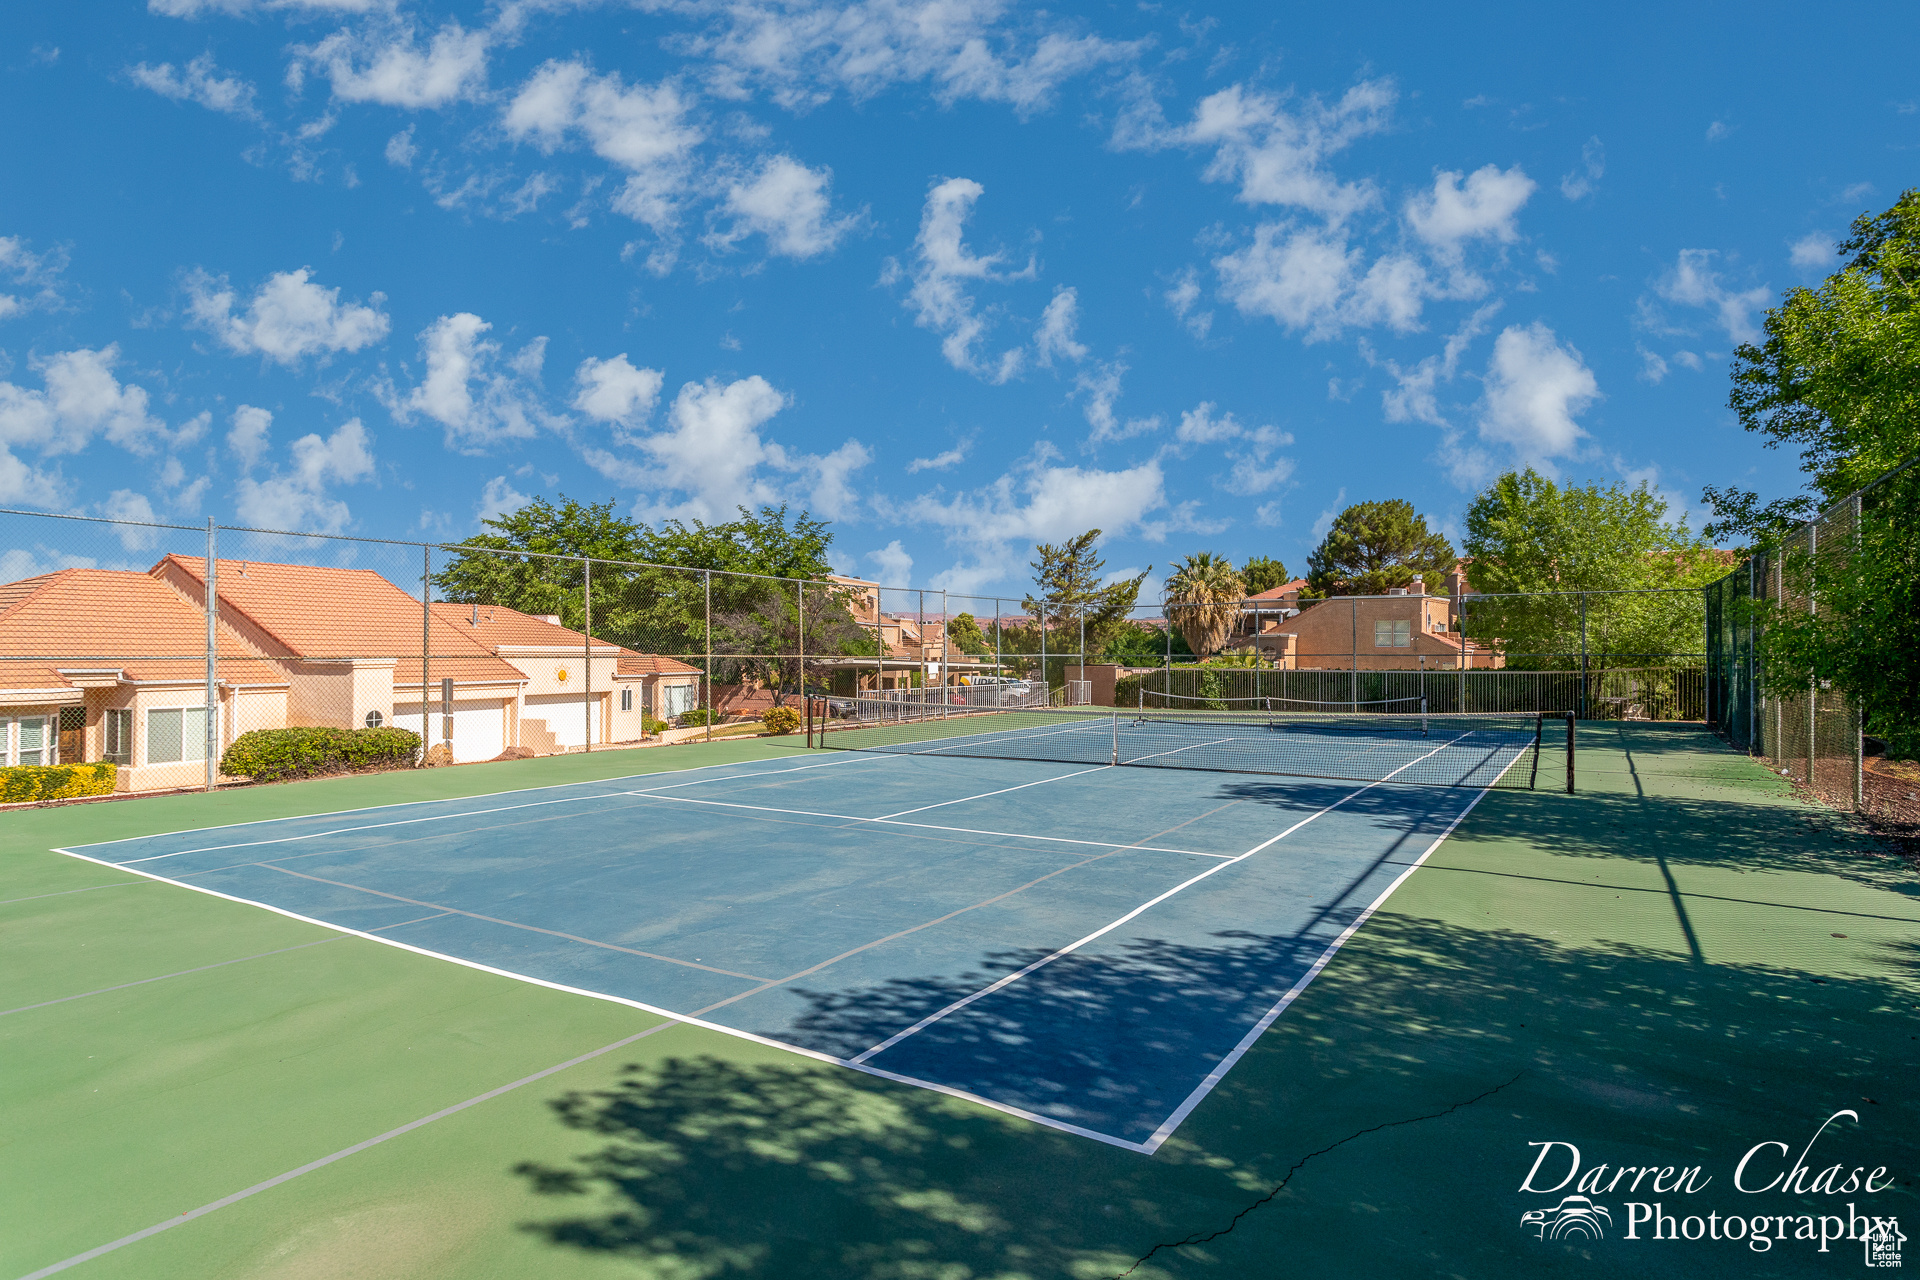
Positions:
{"x": 991, "y": 691}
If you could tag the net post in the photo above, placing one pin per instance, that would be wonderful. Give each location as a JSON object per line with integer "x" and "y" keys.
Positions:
{"x": 1539, "y": 731}
{"x": 1423, "y": 717}
{"x": 1570, "y": 721}
{"x": 1116, "y": 737}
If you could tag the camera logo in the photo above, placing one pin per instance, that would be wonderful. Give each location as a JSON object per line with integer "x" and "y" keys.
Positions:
{"x": 1575, "y": 1217}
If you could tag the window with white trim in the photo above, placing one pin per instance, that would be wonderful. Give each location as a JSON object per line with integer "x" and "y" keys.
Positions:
{"x": 28, "y": 740}
{"x": 119, "y": 735}
{"x": 1392, "y": 634}
{"x": 676, "y": 699}
{"x": 176, "y": 735}
{"x": 626, "y": 698}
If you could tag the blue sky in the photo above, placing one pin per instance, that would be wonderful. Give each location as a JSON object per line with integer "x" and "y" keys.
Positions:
{"x": 957, "y": 276}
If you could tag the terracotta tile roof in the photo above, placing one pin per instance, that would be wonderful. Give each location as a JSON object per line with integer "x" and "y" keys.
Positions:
{"x": 340, "y": 613}
{"x": 1284, "y": 589}
{"x": 106, "y": 619}
{"x": 501, "y": 627}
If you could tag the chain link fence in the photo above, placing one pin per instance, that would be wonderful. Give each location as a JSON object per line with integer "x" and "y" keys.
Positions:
{"x": 1812, "y": 733}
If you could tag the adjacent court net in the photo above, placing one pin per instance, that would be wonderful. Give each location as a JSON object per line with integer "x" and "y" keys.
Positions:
{"x": 1331, "y": 741}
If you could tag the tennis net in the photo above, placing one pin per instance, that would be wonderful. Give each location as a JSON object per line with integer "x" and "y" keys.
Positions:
{"x": 1458, "y": 750}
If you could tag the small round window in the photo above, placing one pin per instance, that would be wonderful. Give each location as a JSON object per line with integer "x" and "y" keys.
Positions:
{"x": 375, "y": 719}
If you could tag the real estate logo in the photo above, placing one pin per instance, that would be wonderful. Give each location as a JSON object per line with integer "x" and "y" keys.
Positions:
{"x": 1774, "y": 1196}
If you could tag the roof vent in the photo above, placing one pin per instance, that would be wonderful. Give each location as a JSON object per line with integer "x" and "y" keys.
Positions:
{"x": 1396, "y": 591}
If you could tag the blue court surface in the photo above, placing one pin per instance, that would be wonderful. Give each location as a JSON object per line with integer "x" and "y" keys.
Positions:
{"x": 1089, "y": 947}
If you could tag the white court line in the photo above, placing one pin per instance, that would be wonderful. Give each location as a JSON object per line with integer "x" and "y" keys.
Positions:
{"x": 324, "y": 1161}
{"x": 693, "y": 1020}
{"x": 1219, "y": 1072}
{"x": 448, "y": 817}
{"x": 1071, "y": 947}
{"x": 925, "y": 826}
{"x": 984, "y": 794}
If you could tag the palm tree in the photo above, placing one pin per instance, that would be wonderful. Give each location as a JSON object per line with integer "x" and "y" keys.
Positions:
{"x": 1203, "y": 600}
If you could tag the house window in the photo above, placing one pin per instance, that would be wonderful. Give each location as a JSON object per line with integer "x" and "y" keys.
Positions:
{"x": 119, "y": 731}
{"x": 176, "y": 735}
{"x": 676, "y": 699}
{"x": 375, "y": 719}
{"x": 626, "y": 698}
{"x": 1392, "y": 635}
{"x": 32, "y": 741}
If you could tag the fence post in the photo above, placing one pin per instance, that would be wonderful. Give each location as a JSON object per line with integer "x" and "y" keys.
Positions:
{"x": 426, "y": 647}
{"x": 1353, "y": 659}
{"x": 212, "y": 714}
{"x": 586, "y": 642}
{"x": 946, "y": 638}
{"x": 706, "y": 676}
{"x": 800, "y": 599}
{"x": 1581, "y": 702}
{"x": 1860, "y": 710}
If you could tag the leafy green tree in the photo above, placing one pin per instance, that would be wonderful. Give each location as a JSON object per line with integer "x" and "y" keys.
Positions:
{"x": 1069, "y": 577}
{"x": 1376, "y": 546}
{"x": 1527, "y": 534}
{"x": 1263, "y": 574}
{"x": 964, "y": 632}
{"x": 1203, "y": 600}
{"x": 1134, "y": 645}
{"x": 1836, "y": 373}
{"x": 650, "y": 588}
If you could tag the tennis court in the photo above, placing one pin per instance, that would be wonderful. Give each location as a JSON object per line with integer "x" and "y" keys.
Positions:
{"x": 1086, "y": 946}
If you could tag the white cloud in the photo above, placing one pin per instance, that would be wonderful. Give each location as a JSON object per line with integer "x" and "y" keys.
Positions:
{"x": 1101, "y": 386}
{"x": 790, "y": 205}
{"x": 197, "y": 82}
{"x": 941, "y": 461}
{"x": 385, "y": 64}
{"x": 401, "y": 149}
{"x": 1535, "y": 386}
{"x": 1309, "y": 279}
{"x": 1652, "y": 368}
{"x": 892, "y": 565}
{"x": 645, "y": 131}
{"x": 713, "y": 457}
{"x": 1484, "y": 208}
{"x": 1182, "y": 299}
{"x": 289, "y": 318}
{"x": 1253, "y": 468}
{"x": 937, "y": 297}
{"x": 615, "y": 391}
{"x": 196, "y": 8}
{"x": 458, "y": 359}
{"x": 1584, "y": 178}
{"x": 1324, "y": 521}
{"x": 81, "y": 399}
{"x": 38, "y": 272}
{"x": 126, "y": 505}
{"x": 1058, "y": 323}
{"x": 1717, "y": 130}
{"x": 1415, "y": 398}
{"x": 997, "y": 524}
{"x": 499, "y": 498}
{"x": 802, "y": 56}
{"x": 295, "y": 498}
{"x": 1694, "y": 283}
{"x": 1277, "y": 155}
{"x": 1813, "y": 253}
{"x": 248, "y": 437}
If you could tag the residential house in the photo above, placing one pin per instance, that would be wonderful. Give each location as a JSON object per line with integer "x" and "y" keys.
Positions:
{"x": 111, "y": 665}
{"x": 1406, "y": 629}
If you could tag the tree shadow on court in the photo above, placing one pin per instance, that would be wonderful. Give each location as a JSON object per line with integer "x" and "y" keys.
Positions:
{"x": 730, "y": 1163}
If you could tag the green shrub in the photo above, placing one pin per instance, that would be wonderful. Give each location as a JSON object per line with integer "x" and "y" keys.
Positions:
{"x": 697, "y": 716}
{"x": 649, "y": 725}
{"x": 21, "y": 784}
{"x": 780, "y": 719}
{"x": 273, "y": 755}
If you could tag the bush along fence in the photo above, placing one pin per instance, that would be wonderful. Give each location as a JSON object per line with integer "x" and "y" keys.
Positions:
{"x": 27, "y": 783}
{"x": 280, "y": 755}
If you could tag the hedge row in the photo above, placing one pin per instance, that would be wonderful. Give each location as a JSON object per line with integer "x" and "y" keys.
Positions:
{"x": 27, "y": 782}
{"x": 273, "y": 755}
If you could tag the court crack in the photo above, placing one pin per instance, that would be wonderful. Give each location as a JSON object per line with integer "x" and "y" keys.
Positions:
{"x": 1297, "y": 1165}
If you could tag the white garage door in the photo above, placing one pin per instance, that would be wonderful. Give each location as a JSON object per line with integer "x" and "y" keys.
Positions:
{"x": 564, "y": 716}
{"x": 479, "y": 726}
